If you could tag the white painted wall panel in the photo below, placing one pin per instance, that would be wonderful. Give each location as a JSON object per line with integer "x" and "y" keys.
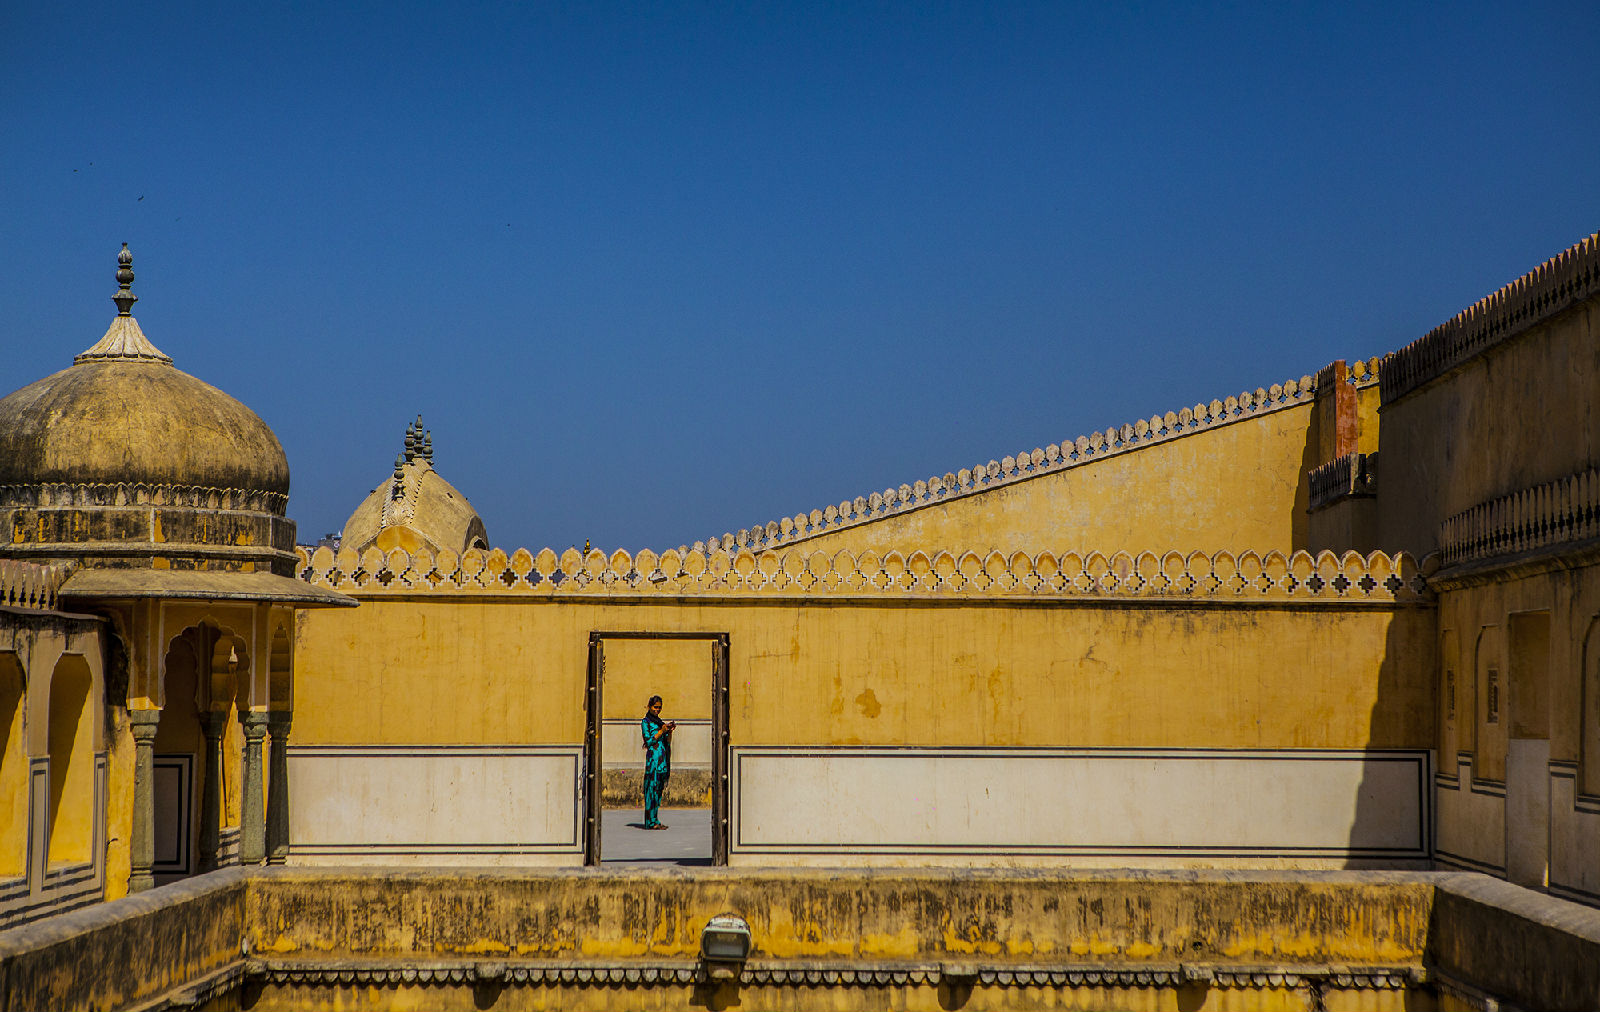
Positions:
{"x": 1264, "y": 803}
{"x": 416, "y": 801}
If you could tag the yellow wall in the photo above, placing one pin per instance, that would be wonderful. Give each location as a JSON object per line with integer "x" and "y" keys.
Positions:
{"x": 437, "y": 670}
{"x": 1522, "y": 414}
{"x": 1476, "y": 632}
{"x": 1239, "y": 484}
{"x": 679, "y": 671}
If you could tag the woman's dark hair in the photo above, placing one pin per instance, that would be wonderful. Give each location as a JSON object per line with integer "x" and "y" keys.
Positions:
{"x": 653, "y": 701}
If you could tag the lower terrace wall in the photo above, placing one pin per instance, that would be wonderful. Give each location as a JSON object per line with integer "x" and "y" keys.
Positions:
{"x": 1200, "y": 710}
{"x": 838, "y": 939}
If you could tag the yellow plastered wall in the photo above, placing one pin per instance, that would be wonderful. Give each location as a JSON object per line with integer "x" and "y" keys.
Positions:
{"x": 1475, "y": 624}
{"x": 1237, "y": 484}
{"x": 439, "y": 671}
{"x": 1519, "y": 415}
{"x": 1368, "y": 400}
{"x": 679, "y": 671}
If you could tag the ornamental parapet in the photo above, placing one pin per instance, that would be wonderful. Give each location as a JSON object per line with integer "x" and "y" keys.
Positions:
{"x": 1352, "y": 476}
{"x": 1029, "y": 464}
{"x": 1561, "y": 512}
{"x": 31, "y": 586}
{"x": 1553, "y": 287}
{"x": 1245, "y": 577}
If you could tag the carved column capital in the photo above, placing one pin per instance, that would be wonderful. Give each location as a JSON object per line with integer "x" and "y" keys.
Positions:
{"x": 214, "y": 723}
{"x": 143, "y": 724}
{"x": 255, "y": 725}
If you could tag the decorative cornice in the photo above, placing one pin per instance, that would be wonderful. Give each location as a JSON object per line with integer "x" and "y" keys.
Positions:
{"x": 1553, "y": 287}
{"x": 1353, "y": 476}
{"x": 1223, "y": 576}
{"x": 1009, "y": 470}
{"x": 32, "y": 586}
{"x": 63, "y": 494}
{"x": 783, "y": 973}
{"x": 1561, "y": 512}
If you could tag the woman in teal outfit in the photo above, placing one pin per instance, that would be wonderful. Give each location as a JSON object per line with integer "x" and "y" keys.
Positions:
{"x": 657, "y": 734}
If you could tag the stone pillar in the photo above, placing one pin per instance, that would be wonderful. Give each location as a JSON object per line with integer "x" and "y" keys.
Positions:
{"x": 142, "y": 846}
{"x": 214, "y": 724}
{"x": 278, "y": 787}
{"x": 252, "y": 809}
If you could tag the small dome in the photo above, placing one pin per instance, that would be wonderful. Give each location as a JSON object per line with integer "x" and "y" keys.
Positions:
{"x": 416, "y": 508}
{"x": 122, "y": 414}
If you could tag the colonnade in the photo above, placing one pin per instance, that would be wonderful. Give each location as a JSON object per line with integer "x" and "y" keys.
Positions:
{"x": 264, "y": 802}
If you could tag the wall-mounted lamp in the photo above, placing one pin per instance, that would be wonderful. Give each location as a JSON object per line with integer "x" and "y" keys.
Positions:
{"x": 724, "y": 946}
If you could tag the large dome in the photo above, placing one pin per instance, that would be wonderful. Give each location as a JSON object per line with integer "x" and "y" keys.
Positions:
{"x": 131, "y": 421}
{"x": 121, "y": 460}
{"x": 122, "y": 414}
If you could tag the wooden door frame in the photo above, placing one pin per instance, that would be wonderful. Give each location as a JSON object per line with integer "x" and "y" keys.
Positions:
{"x": 594, "y": 710}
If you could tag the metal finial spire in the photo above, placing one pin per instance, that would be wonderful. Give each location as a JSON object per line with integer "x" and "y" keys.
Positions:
{"x": 411, "y": 443}
{"x": 399, "y": 472}
{"x": 125, "y": 297}
{"x": 427, "y": 446}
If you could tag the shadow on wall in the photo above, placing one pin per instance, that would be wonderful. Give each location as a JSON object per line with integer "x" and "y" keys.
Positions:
{"x": 1392, "y": 825}
{"x": 1310, "y": 457}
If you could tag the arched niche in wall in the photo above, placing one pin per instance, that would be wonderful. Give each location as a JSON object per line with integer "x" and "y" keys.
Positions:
{"x": 71, "y": 750}
{"x": 1489, "y": 707}
{"x": 1589, "y": 712}
{"x": 1450, "y": 694}
{"x": 13, "y": 768}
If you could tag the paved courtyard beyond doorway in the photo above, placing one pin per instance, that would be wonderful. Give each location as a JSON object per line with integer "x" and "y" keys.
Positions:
{"x": 686, "y": 841}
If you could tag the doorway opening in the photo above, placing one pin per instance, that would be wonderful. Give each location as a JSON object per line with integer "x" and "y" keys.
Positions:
{"x": 1528, "y": 752}
{"x": 689, "y": 670}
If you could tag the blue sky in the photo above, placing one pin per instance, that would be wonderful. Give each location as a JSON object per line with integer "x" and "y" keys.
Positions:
{"x": 655, "y": 272}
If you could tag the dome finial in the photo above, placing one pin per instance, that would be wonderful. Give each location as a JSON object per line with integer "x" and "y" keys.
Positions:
{"x": 123, "y": 340}
{"x": 125, "y": 297}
